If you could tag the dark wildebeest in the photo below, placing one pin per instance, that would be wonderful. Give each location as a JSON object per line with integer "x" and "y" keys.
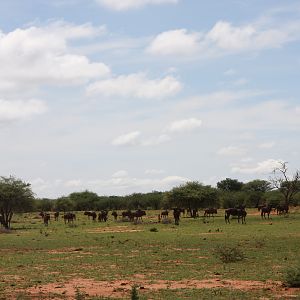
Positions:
{"x": 56, "y": 215}
{"x": 176, "y": 214}
{"x": 238, "y": 212}
{"x": 91, "y": 214}
{"x": 102, "y": 216}
{"x": 282, "y": 208}
{"x": 69, "y": 217}
{"x": 164, "y": 214}
{"x": 46, "y": 218}
{"x": 127, "y": 214}
{"x": 208, "y": 212}
{"x": 138, "y": 215}
{"x": 266, "y": 210}
{"x": 115, "y": 215}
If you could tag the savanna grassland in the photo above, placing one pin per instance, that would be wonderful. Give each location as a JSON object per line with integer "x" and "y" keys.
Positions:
{"x": 94, "y": 260}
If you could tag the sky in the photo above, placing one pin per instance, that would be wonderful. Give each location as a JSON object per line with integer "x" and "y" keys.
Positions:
{"x": 124, "y": 96}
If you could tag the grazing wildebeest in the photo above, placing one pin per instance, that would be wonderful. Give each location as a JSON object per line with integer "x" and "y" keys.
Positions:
{"x": 164, "y": 214}
{"x": 69, "y": 217}
{"x": 266, "y": 210}
{"x": 56, "y": 215}
{"x": 282, "y": 208}
{"x": 127, "y": 214}
{"x": 138, "y": 215}
{"x": 238, "y": 212}
{"x": 91, "y": 214}
{"x": 208, "y": 212}
{"x": 102, "y": 216}
{"x": 46, "y": 218}
{"x": 115, "y": 215}
{"x": 176, "y": 214}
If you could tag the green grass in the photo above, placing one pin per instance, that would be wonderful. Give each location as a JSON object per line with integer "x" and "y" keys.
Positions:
{"x": 35, "y": 255}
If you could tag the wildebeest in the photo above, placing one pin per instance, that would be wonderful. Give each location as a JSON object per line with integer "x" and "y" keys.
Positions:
{"x": 56, "y": 215}
{"x": 266, "y": 210}
{"x": 238, "y": 212}
{"x": 69, "y": 217}
{"x": 138, "y": 215}
{"x": 91, "y": 214}
{"x": 127, "y": 214}
{"x": 164, "y": 214}
{"x": 46, "y": 218}
{"x": 102, "y": 216}
{"x": 176, "y": 214}
{"x": 208, "y": 212}
{"x": 282, "y": 208}
{"x": 115, "y": 215}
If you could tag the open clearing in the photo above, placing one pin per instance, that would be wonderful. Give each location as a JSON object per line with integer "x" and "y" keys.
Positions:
{"x": 104, "y": 260}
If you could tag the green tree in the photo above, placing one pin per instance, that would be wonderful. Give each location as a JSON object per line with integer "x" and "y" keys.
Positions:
{"x": 15, "y": 196}
{"x": 230, "y": 185}
{"x": 64, "y": 204}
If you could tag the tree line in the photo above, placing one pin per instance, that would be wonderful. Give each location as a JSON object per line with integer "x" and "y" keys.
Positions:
{"x": 17, "y": 196}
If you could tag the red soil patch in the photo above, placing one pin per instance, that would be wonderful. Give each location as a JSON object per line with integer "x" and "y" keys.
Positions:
{"x": 122, "y": 288}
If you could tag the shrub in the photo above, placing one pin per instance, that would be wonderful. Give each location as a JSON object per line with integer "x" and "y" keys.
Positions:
{"x": 134, "y": 293}
{"x": 292, "y": 277}
{"x": 153, "y": 229}
{"x": 229, "y": 254}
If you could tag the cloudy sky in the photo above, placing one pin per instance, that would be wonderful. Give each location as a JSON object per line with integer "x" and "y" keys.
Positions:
{"x": 122, "y": 96}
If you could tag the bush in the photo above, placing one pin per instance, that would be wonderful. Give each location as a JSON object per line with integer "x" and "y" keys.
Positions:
{"x": 229, "y": 254}
{"x": 153, "y": 229}
{"x": 292, "y": 277}
{"x": 134, "y": 293}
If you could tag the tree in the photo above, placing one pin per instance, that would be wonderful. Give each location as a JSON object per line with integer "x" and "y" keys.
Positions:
{"x": 230, "y": 185}
{"x": 287, "y": 185}
{"x": 15, "y": 196}
{"x": 64, "y": 204}
{"x": 256, "y": 189}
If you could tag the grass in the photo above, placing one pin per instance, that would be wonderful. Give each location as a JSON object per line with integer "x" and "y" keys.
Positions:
{"x": 34, "y": 255}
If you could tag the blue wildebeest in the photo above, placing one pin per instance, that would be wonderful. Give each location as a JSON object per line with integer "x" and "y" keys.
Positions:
{"x": 282, "y": 208}
{"x": 266, "y": 210}
{"x": 102, "y": 216}
{"x": 208, "y": 212}
{"x": 56, "y": 215}
{"x": 69, "y": 217}
{"x": 240, "y": 213}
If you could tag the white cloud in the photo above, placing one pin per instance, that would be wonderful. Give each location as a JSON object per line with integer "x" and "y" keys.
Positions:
{"x": 74, "y": 183}
{"x": 154, "y": 171}
{"x": 231, "y": 151}
{"x": 128, "y": 139}
{"x": 13, "y": 110}
{"x": 224, "y": 38}
{"x": 264, "y": 167}
{"x": 152, "y": 141}
{"x": 37, "y": 56}
{"x": 175, "y": 42}
{"x": 230, "y": 72}
{"x": 121, "y": 5}
{"x": 137, "y": 86}
{"x": 266, "y": 145}
{"x": 185, "y": 125}
{"x": 120, "y": 174}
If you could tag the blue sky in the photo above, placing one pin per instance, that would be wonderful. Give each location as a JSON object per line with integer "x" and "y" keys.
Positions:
{"x": 139, "y": 95}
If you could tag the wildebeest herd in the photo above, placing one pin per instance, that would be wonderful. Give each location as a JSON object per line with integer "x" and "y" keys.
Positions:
{"x": 238, "y": 212}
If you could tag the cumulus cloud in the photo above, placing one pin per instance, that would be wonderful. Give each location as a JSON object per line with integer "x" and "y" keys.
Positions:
{"x": 185, "y": 125}
{"x": 225, "y": 38}
{"x": 263, "y": 167}
{"x": 13, "y": 110}
{"x": 136, "y": 85}
{"x": 156, "y": 140}
{"x": 36, "y": 56}
{"x": 231, "y": 151}
{"x": 175, "y": 42}
{"x": 128, "y": 139}
{"x": 266, "y": 145}
{"x": 121, "y": 5}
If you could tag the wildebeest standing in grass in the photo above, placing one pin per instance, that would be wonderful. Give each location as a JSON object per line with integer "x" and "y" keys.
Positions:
{"x": 56, "y": 215}
{"x": 138, "y": 215}
{"x": 240, "y": 213}
{"x": 208, "y": 212}
{"x": 164, "y": 214}
{"x": 115, "y": 215}
{"x": 91, "y": 214}
{"x": 282, "y": 208}
{"x": 102, "y": 216}
{"x": 46, "y": 219}
{"x": 127, "y": 214}
{"x": 266, "y": 210}
{"x": 176, "y": 214}
{"x": 69, "y": 217}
